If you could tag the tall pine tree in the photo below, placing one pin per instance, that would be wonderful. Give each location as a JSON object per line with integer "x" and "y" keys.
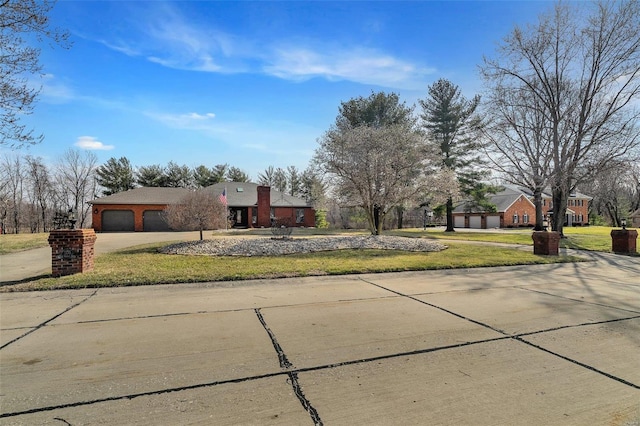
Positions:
{"x": 116, "y": 175}
{"x": 452, "y": 126}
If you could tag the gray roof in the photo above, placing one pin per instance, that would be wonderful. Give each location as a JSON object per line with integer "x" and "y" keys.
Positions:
{"x": 502, "y": 200}
{"x": 510, "y": 195}
{"x": 239, "y": 194}
{"x": 243, "y": 194}
{"x": 144, "y": 195}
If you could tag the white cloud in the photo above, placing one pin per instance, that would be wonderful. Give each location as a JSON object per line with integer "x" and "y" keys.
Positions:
{"x": 191, "y": 120}
{"x": 356, "y": 64}
{"x": 166, "y": 37}
{"x": 91, "y": 143}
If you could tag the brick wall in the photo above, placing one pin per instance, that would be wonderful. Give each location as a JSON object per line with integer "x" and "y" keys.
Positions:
{"x": 579, "y": 206}
{"x": 521, "y": 213}
{"x": 72, "y": 251}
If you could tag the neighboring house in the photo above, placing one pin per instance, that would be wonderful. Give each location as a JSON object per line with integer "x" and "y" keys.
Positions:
{"x": 249, "y": 205}
{"x": 515, "y": 208}
{"x": 577, "y": 208}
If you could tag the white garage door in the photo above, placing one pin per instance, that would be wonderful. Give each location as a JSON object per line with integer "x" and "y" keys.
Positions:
{"x": 475, "y": 222}
{"x": 458, "y": 221}
{"x": 493, "y": 222}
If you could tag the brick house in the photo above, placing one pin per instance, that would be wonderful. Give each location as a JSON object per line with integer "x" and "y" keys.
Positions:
{"x": 249, "y": 205}
{"x": 515, "y": 208}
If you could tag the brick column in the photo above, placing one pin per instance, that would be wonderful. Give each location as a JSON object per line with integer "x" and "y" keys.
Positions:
{"x": 624, "y": 240}
{"x": 546, "y": 243}
{"x": 72, "y": 251}
{"x": 264, "y": 207}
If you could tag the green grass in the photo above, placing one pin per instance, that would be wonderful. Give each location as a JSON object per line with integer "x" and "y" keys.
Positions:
{"x": 507, "y": 236}
{"x": 144, "y": 265}
{"x": 595, "y": 238}
{"x": 11, "y": 243}
{"x": 592, "y": 238}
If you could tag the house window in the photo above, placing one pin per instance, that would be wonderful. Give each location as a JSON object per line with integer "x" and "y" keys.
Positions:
{"x": 525, "y": 218}
{"x": 299, "y": 215}
{"x": 254, "y": 215}
{"x": 515, "y": 218}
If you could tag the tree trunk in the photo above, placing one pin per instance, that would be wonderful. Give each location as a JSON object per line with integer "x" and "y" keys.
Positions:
{"x": 400, "y": 212}
{"x": 537, "y": 201}
{"x": 376, "y": 220}
{"x": 559, "y": 196}
{"x": 450, "y": 216}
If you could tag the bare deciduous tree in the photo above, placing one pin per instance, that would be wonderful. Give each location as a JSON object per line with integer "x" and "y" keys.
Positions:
{"x": 615, "y": 192}
{"x": 519, "y": 138}
{"x": 584, "y": 71}
{"x": 11, "y": 192}
{"x": 75, "y": 178}
{"x": 40, "y": 191}
{"x": 21, "y": 23}
{"x": 200, "y": 210}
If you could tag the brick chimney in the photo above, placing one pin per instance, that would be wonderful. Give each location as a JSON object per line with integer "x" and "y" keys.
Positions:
{"x": 264, "y": 206}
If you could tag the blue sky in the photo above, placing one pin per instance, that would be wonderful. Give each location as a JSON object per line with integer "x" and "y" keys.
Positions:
{"x": 250, "y": 84}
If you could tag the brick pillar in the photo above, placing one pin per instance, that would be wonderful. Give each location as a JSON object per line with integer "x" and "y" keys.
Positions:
{"x": 546, "y": 243}
{"x": 624, "y": 240}
{"x": 72, "y": 251}
{"x": 264, "y": 207}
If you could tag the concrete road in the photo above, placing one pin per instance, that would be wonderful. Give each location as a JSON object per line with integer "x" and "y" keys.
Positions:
{"x": 32, "y": 263}
{"x": 534, "y": 345}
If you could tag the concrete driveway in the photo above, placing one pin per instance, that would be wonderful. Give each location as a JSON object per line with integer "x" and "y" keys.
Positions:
{"x": 535, "y": 345}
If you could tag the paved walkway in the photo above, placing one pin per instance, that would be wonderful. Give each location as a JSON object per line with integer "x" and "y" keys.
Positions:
{"x": 545, "y": 344}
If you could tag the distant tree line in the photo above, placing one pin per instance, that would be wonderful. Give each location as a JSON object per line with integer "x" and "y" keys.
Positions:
{"x": 118, "y": 175}
{"x": 32, "y": 192}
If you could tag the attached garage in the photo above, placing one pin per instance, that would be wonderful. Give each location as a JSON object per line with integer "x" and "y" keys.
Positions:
{"x": 493, "y": 222}
{"x": 475, "y": 222}
{"x": 118, "y": 221}
{"x": 153, "y": 221}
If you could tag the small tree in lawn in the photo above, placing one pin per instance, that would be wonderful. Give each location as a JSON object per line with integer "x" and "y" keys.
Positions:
{"x": 200, "y": 210}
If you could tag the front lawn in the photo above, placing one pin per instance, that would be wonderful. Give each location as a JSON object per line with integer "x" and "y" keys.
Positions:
{"x": 11, "y": 243}
{"x": 144, "y": 265}
{"x": 593, "y": 238}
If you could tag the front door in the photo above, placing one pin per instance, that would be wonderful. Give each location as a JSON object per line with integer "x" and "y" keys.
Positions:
{"x": 239, "y": 217}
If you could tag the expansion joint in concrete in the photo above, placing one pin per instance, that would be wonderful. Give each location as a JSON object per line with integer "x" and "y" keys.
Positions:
{"x": 293, "y": 376}
{"x": 39, "y": 326}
